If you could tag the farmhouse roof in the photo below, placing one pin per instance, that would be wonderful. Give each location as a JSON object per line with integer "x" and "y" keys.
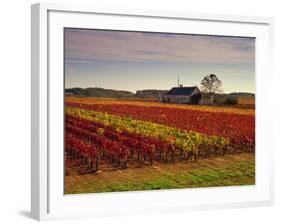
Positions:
{"x": 182, "y": 90}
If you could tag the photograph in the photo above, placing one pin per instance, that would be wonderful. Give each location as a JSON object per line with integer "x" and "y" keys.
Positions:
{"x": 157, "y": 110}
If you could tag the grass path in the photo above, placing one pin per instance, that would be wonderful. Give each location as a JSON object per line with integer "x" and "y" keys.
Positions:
{"x": 229, "y": 170}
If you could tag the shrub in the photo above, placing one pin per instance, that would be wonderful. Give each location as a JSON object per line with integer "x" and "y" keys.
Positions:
{"x": 231, "y": 101}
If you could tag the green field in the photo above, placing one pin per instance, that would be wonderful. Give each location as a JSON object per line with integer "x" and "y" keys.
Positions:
{"x": 228, "y": 170}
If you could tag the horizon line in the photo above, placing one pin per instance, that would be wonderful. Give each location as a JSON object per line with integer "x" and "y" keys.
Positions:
{"x": 238, "y": 91}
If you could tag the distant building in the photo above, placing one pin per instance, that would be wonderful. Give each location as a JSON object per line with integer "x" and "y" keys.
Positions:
{"x": 182, "y": 95}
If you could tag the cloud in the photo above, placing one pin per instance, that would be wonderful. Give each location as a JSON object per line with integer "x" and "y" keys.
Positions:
{"x": 97, "y": 45}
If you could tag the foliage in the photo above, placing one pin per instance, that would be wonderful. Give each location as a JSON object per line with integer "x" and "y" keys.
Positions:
{"x": 144, "y": 128}
{"x": 150, "y": 93}
{"x": 100, "y": 92}
{"x": 159, "y": 106}
{"x": 211, "y": 84}
{"x": 125, "y": 134}
{"x": 225, "y": 99}
{"x": 235, "y": 127}
{"x": 231, "y": 101}
{"x": 112, "y": 93}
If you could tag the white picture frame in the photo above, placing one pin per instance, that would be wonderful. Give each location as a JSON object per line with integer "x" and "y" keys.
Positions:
{"x": 47, "y": 199}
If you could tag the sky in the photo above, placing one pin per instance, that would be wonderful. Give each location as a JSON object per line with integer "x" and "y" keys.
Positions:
{"x": 133, "y": 61}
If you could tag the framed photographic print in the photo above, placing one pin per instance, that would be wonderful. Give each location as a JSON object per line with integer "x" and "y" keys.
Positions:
{"x": 138, "y": 111}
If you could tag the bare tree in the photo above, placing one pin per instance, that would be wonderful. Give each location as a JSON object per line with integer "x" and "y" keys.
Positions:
{"x": 210, "y": 85}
